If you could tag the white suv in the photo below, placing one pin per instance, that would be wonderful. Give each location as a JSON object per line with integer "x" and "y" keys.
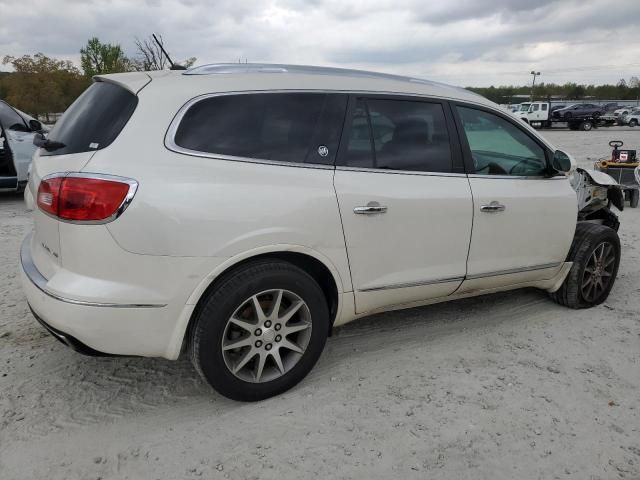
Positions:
{"x": 241, "y": 211}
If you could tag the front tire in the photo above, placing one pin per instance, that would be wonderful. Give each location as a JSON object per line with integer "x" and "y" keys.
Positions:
{"x": 633, "y": 123}
{"x": 586, "y": 126}
{"x": 260, "y": 331}
{"x": 595, "y": 253}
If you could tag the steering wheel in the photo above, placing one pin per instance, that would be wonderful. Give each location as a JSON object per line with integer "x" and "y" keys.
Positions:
{"x": 616, "y": 143}
{"x": 526, "y": 160}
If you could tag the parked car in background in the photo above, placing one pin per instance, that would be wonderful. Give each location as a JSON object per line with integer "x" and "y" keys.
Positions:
{"x": 610, "y": 107}
{"x": 17, "y": 130}
{"x": 632, "y": 118}
{"x": 579, "y": 110}
{"x": 622, "y": 111}
{"x": 239, "y": 212}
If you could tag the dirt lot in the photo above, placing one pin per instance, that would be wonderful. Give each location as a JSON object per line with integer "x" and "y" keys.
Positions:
{"x": 502, "y": 387}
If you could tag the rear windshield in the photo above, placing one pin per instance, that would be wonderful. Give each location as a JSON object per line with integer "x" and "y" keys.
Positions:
{"x": 94, "y": 120}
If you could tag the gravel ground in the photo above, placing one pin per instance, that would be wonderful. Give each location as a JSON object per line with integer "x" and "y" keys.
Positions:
{"x": 502, "y": 387}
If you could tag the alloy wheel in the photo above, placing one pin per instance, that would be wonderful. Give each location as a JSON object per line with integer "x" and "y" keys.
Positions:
{"x": 598, "y": 272}
{"x": 266, "y": 336}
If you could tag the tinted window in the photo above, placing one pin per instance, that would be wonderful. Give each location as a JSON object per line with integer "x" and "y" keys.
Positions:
{"x": 286, "y": 127}
{"x": 10, "y": 119}
{"x": 94, "y": 120}
{"x": 399, "y": 135}
{"x": 544, "y": 106}
{"x": 500, "y": 148}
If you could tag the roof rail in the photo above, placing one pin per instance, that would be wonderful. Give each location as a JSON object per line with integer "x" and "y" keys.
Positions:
{"x": 231, "y": 68}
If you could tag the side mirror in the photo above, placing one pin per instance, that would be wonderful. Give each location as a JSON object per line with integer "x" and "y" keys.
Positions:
{"x": 561, "y": 161}
{"x": 35, "y": 125}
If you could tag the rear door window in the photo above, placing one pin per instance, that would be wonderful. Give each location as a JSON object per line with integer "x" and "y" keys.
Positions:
{"x": 399, "y": 135}
{"x": 94, "y": 120}
{"x": 284, "y": 127}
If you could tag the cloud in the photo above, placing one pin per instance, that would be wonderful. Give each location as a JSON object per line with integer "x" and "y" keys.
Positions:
{"x": 465, "y": 42}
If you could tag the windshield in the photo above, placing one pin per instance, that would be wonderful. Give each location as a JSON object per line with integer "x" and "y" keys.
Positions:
{"x": 524, "y": 107}
{"x": 94, "y": 120}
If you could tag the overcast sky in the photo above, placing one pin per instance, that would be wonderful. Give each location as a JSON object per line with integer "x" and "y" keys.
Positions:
{"x": 463, "y": 42}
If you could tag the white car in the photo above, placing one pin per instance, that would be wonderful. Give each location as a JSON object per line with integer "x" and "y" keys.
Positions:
{"x": 17, "y": 130}
{"x": 239, "y": 212}
{"x": 632, "y": 118}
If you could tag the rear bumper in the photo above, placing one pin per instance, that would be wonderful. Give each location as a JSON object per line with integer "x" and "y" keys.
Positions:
{"x": 68, "y": 340}
{"x": 98, "y": 328}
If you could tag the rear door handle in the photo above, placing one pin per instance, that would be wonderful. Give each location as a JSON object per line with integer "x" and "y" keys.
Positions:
{"x": 493, "y": 207}
{"x": 371, "y": 208}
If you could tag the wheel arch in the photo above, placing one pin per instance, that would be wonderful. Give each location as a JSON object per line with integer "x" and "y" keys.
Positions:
{"x": 309, "y": 260}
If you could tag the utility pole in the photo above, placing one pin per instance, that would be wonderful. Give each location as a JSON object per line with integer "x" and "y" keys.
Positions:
{"x": 533, "y": 84}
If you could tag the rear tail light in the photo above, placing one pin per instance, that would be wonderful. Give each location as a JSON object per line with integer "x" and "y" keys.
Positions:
{"x": 85, "y": 197}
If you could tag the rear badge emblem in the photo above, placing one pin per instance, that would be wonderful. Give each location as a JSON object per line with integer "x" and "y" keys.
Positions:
{"x": 323, "y": 151}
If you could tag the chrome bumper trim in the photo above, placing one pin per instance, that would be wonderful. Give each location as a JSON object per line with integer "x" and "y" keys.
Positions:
{"x": 32, "y": 272}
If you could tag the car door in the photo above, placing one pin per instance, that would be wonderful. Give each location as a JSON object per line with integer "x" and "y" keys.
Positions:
{"x": 534, "y": 114}
{"x": 544, "y": 112}
{"x": 524, "y": 219}
{"x": 404, "y": 201}
{"x": 18, "y": 143}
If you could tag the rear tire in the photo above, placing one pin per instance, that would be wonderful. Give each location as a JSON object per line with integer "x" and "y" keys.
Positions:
{"x": 274, "y": 352}
{"x": 633, "y": 123}
{"x": 595, "y": 250}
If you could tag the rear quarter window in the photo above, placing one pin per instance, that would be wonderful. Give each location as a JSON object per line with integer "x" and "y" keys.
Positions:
{"x": 284, "y": 127}
{"x": 94, "y": 120}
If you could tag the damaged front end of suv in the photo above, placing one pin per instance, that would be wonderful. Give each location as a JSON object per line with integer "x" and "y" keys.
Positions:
{"x": 597, "y": 192}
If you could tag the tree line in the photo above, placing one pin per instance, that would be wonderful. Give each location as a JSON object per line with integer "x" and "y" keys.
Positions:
{"x": 623, "y": 90}
{"x": 40, "y": 84}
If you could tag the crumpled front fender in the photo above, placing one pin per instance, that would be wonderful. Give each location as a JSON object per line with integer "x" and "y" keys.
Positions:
{"x": 599, "y": 178}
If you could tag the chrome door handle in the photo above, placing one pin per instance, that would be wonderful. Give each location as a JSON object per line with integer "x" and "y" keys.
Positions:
{"x": 372, "y": 208}
{"x": 493, "y": 207}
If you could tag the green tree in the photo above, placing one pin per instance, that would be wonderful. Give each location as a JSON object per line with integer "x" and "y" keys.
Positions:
{"x": 40, "y": 84}
{"x": 99, "y": 58}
